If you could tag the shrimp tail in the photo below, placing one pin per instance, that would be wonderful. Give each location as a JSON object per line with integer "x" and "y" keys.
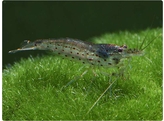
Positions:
{"x": 22, "y": 49}
{"x": 26, "y": 45}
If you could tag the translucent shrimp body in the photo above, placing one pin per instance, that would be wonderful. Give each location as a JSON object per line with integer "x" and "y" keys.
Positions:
{"x": 106, "y": 55}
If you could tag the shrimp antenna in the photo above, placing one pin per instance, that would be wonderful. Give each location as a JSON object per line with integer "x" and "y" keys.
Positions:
{"x": 150, "y": 42}
{"x": 140, "y": 48}
{"x": 143, "y": 42}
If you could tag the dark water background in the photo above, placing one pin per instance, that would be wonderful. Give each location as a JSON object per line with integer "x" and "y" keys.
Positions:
{"x": 81, "y": 20}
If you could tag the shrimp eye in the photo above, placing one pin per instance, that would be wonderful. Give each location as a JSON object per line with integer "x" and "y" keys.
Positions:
{"x": 124, "y": 46}
{"x": 119, "y": 50}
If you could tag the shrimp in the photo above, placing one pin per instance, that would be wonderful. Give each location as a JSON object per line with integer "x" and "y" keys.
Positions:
{"x": 106, "y": 55}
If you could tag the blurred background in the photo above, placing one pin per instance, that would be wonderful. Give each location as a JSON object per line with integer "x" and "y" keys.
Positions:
{"x": 81, "y": 20}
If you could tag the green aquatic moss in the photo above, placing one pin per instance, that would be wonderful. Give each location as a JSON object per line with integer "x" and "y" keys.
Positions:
{"x": 49, "y": 87}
